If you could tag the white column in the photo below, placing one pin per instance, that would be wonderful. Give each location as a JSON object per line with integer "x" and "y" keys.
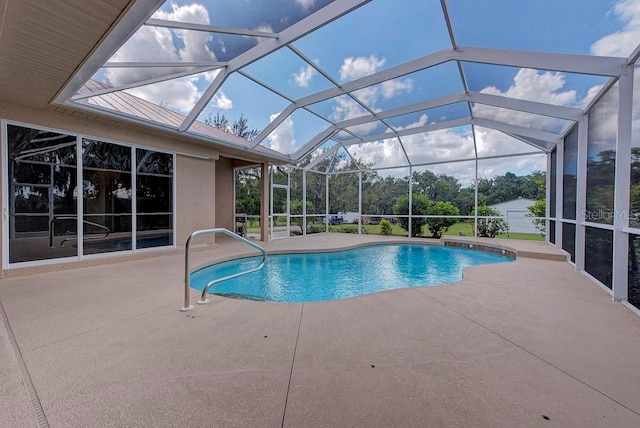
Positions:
{"x": 622, "y": 184}
{"x": 304, "y": 202}
{"x": 547, "y": 198}
{"x": 360, "y": 203}
{"x": 475, "y": 202}
{"x": 410, "y": 197}
{"x": 326, "y": 202}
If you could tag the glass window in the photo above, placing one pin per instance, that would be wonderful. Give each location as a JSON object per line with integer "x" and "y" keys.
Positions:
{"x": 634, "y": 217}
{"x": 552, "y": 232}
{"x": 601, "y": 152}
{"x": 41, "y": 188}
{"x": 599, "y": 254}
{"x": 154, "y": 199}
{"x": 107, "y": 197}
{"x": 570, "y": 175}
{"x": 552, "y": 183}
{"x": 634, "y": 271}
{"x": 569, "y": 239}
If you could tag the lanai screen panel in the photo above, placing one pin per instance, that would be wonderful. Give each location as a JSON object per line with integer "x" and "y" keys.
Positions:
{"x": 302, "y": 73}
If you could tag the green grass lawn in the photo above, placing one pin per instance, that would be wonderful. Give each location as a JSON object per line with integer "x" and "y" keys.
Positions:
{"x": 455, "y": 230}
{"x": 466, "y": 228}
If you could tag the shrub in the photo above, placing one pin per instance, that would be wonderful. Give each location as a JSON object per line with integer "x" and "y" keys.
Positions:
{"x": 538, "y": 209}
{"x": 419, "y": 206}
{"x": 347, "y": 229}
{"x": 438, "y": 225}
{"x": 385, "y": 227}
{"x": 490, "y": 227}
{"x": 315, "y": 228}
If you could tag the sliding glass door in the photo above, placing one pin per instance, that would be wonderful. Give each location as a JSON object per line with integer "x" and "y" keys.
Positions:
{"x": 124, "y": 202}
{"x": 42, "y": 206}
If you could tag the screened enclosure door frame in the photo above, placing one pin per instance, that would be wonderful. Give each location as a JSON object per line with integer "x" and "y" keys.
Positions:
{"x": 274, "y": 214}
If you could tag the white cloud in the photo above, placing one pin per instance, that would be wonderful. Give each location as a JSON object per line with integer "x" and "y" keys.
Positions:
{"x": 490, "y": 142}
{"x": 265, "y": 29}
{"x": 354, "y": 68}
{"x": 304, "y": 76}
{"x": 157, "y": 44}
{"x": 306, "y": 4}
{"x": 623, "y": 42}
{"x": 347, "y": 108}
{"x": 221, "y": 101}
{"x": 534, "y": 85}
{"x": 531, "y": 85}
{"x": 391, "y": 88}
{"x": 385, "y": 153}
{"x": 282, "y": 139}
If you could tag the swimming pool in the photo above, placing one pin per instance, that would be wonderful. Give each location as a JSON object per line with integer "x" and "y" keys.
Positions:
{"x": 313, "y": 277}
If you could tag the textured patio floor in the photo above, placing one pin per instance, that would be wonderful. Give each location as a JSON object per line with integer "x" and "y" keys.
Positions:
{"x": 528, "y": 343}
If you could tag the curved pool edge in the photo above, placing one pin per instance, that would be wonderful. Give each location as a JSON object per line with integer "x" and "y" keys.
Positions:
{"x": 492, "y": 247}
{"x": 477, "y": 245}
{"x": 335, "y": 249}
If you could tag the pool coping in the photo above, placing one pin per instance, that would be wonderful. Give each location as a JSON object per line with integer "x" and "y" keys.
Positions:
{"x": 488, "y": 245}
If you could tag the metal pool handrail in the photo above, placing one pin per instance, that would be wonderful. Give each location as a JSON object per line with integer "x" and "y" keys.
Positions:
{"x": 187, "y": 276}
{"x": 72, "y": 217}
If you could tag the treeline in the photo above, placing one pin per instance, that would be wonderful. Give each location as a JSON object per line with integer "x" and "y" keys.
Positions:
{"x": 379, "y": 194}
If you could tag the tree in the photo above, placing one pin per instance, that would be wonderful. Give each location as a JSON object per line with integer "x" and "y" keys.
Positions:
{"x": 419, "y": 206}
{"x": 239, "y": 128}
{"x": 438, "y": 225}
{"x": 296, "y": 209}
{"x": 248, "y": 192}
{"x": 538, "y": 209}
{"x": 490, "y": 227}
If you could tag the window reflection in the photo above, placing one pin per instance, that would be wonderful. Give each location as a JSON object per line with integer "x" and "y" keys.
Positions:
{"x": 570, "y": 174}
{"x": 569, "y": 239}
{"x": 599, "y": 256}
{"x": 552, "y": 183}
{"x": 106, "y": 189}
{"x": 634, "y": 217}
{"x": 634, "y": 270}
{"x": 154, "y": 199}
{"x": 43, "y": 196}
{"x": 601, "y": 152}
{"x": 41, "y": 183}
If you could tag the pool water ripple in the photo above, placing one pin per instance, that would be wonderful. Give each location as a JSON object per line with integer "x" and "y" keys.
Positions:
{"x": 313, "y": 277}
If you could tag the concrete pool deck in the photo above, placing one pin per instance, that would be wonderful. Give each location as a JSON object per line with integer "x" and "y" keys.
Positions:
{"x": 527, "y": 343}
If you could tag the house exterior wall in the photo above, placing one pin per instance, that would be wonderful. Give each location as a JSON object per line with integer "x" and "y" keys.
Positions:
{"x": 224, "y": 193}
{"x": 195, "y": 196}
{"x": 514, "y": 212}
{"x": 194, "y": 171}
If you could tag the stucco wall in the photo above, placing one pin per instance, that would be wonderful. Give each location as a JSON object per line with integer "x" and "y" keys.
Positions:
{"x": 195, "y": 196}
{"x": 224, "y": 193}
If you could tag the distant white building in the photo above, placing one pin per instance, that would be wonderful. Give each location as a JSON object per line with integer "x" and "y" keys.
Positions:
{"x": 514, "y": 212}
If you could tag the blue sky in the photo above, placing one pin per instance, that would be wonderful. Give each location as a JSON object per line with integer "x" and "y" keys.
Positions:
{"x": 375, "y": 37}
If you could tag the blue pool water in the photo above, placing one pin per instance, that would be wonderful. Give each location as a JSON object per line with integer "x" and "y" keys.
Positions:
{"x": 315, "y": 277}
